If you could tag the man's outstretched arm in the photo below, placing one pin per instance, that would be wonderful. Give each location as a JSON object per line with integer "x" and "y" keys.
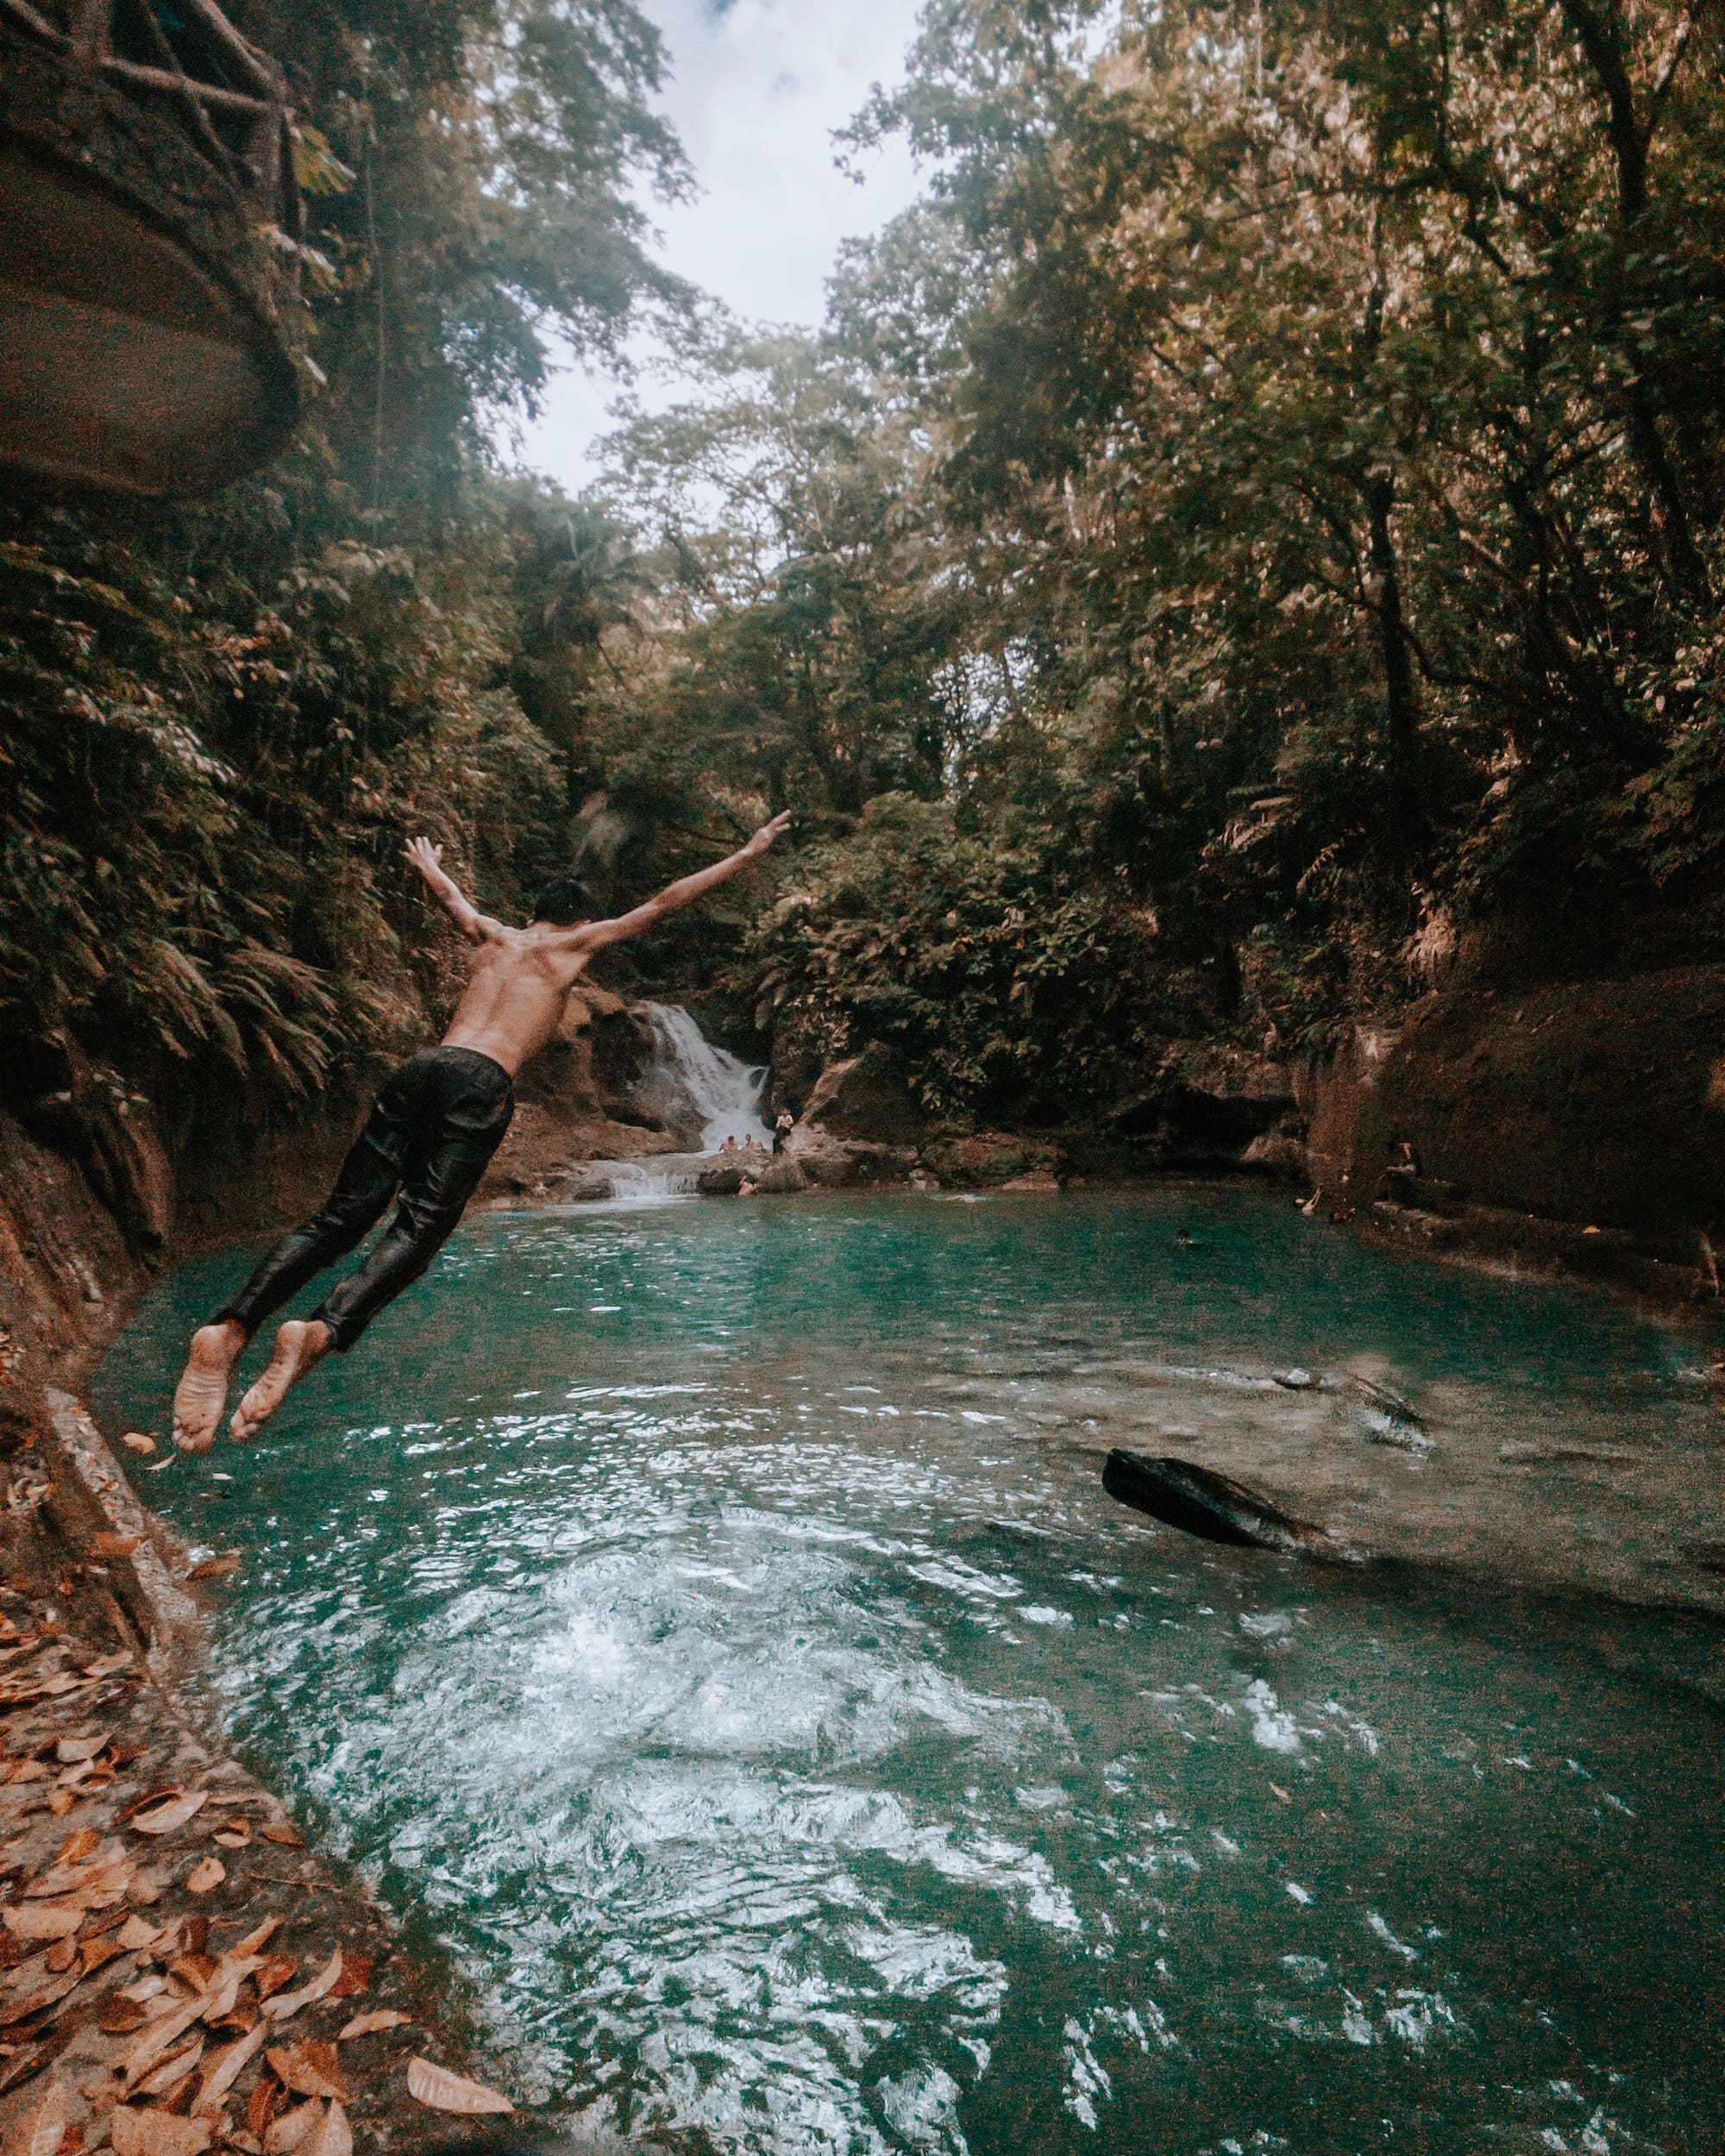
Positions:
{"x": 477, "y": 927}
{"x": 676, "y": 896}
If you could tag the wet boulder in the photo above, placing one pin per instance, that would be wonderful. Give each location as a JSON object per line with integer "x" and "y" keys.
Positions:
{"x": 1277, "y": 1153}
{"x": 1217, "y": 1111}
{"x": 847, "y": 1163}
{"x": 1215, "y": 1508}
{"x": 864, "y": 1097}
{"x": 993, "y": 1160}
{"x": 782, "y": 1177}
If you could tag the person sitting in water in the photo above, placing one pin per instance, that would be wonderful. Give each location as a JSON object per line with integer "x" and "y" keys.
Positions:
{"x": 431, "y": 1135}
{"x": 748, "y": 1189}
{"x": 729, "y": 1144}
{"x": 783, "y": 1124}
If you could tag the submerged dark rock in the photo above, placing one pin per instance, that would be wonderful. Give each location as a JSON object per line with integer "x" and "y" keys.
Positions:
{"x": 1214, "y": 1507}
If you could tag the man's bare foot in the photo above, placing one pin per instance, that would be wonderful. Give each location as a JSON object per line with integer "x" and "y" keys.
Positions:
{"x": 301, "y": 1342}
{"x": 201, "y": 1392}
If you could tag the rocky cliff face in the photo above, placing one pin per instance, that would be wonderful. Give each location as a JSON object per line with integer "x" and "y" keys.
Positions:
{"x": 99, "y": 1190}
{"x": 1580, "y": 1121}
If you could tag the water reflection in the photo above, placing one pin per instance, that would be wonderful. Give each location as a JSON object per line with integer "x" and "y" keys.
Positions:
{"x": 706, "y": 1628}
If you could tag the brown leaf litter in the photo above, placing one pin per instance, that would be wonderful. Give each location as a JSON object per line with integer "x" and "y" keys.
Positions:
{"x": 157, "y": 1998}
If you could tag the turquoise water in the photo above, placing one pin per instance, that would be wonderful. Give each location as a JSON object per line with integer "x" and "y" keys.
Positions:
{"x": 704, "y": 1626}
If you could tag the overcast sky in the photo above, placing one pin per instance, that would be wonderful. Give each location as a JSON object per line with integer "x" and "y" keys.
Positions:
{"x": 758, "y": 88}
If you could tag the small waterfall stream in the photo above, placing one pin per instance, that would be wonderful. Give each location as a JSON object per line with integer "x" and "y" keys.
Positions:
{"x": 689, "y": 1080}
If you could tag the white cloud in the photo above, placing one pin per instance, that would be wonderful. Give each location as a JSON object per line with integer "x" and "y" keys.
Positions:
{"x": 757, "y": 92}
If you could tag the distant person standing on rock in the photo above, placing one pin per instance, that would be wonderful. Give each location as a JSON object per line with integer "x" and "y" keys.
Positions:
{"x": 434, "y": 1126}
{"x": 783, "y": 1124}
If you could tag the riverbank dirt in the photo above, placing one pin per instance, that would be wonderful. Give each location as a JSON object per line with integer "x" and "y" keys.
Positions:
{"x": 177, "y": 1971}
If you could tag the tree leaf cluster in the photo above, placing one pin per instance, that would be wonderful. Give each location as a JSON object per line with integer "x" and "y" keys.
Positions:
{"x": 1271, "y": 481}
{"x": 219, "y": 722}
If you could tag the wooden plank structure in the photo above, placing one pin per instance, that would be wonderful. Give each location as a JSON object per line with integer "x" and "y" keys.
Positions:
{"x": 149, "y": 220}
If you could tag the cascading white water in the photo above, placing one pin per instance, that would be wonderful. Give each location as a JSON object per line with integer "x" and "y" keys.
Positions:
{"x": 724, "y": 1092}
{"x": 692, "y": 1083}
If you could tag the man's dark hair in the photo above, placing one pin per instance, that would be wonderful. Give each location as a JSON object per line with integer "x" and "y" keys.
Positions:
{"x": 564, "y": 901}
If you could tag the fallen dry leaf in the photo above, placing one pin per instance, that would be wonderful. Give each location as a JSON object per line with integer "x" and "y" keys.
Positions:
{"x": 23, "y": 2065}
{"x": 320, "y": 1986}
{"x": 370, "y": 2024}
{"x": 355, "y": 1977}
{"x": 76, "y": 1847}
{"x": 96, "y": 1954}
{"x": 194, "y": 1969}
{"x": 44, "y": 1919}
{"x": 137, "y": 1441}
{"x": 242, "y": 2021}
{"x": 331, "y": 2136}
{"x": 279, "y": 1970}
{"x": 25, "y": 1689}
{"x": 158, "y": 2036}
{"x": 172, "y": 2071}
{"x": 60, "y": 1956}
{"x": 169, "y": 1818}
{"x": 262, "y": 2105}
{"x": 121, "y": 2017}
{"x": 157, "y": 2134}
{"x": 48, "y": 1992}
{"x": 113, "y": 1546}
{"x": 38, "y": 2134}
{"x": 109, "y": 1873}
{"x": 224, "y": 1989}
{"x": 215, "y": 1568}
{"x": 148, "y": 1987}
{"x": 279, "y": 1831}
{"x": 205, "y": 1878}
{"x": 308, "y": 2068}
{"x": 61, "y": 1802}
{"x": 109, "y": 1665}
{"x": 234, "y": 1833}
{"x": 255, "y": 1942}
{"x": 137, "y": 1933}
{"x": 292, "y": 2128}
{"x": 159, "y": 1794}
{"x": 108, "y": 1883}
{"x": 436, "y": 2087}
{"x": 226, "y": 2069}
{"x": 71, "y": 1751}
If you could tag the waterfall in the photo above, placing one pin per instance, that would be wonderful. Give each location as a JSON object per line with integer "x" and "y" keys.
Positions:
{"x": 694, "y": 1084}
{"x": 723, "y": 1093}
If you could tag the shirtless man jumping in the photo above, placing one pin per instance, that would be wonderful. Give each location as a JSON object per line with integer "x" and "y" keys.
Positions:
{"x": 433, "y": 1130}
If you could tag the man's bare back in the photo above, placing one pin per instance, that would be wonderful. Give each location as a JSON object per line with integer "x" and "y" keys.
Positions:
{"x": 431, "y": 1134}
{"x": 515, "y": 997}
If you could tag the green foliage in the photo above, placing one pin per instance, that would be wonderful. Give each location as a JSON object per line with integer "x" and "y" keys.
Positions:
{"x": 1006, "y": 986}
{"x": 1248, "y": 537}
{"x": 1318, "y": 432}
{"x": 217, "y": 725}
{"x": 201, "y": 812}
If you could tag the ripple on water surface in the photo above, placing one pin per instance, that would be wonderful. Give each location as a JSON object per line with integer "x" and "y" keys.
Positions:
{"x": 706, "y": 1629}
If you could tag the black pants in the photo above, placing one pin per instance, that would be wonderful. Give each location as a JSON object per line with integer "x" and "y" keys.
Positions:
{"x": 431, "y": 1135}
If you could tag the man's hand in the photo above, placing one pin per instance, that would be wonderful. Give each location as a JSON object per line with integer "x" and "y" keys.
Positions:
{"x": 673, "y": 898}
{"x": 768, "y": 832}
{"x": 426, "y": 858}
{"x": 429, "y": 861}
